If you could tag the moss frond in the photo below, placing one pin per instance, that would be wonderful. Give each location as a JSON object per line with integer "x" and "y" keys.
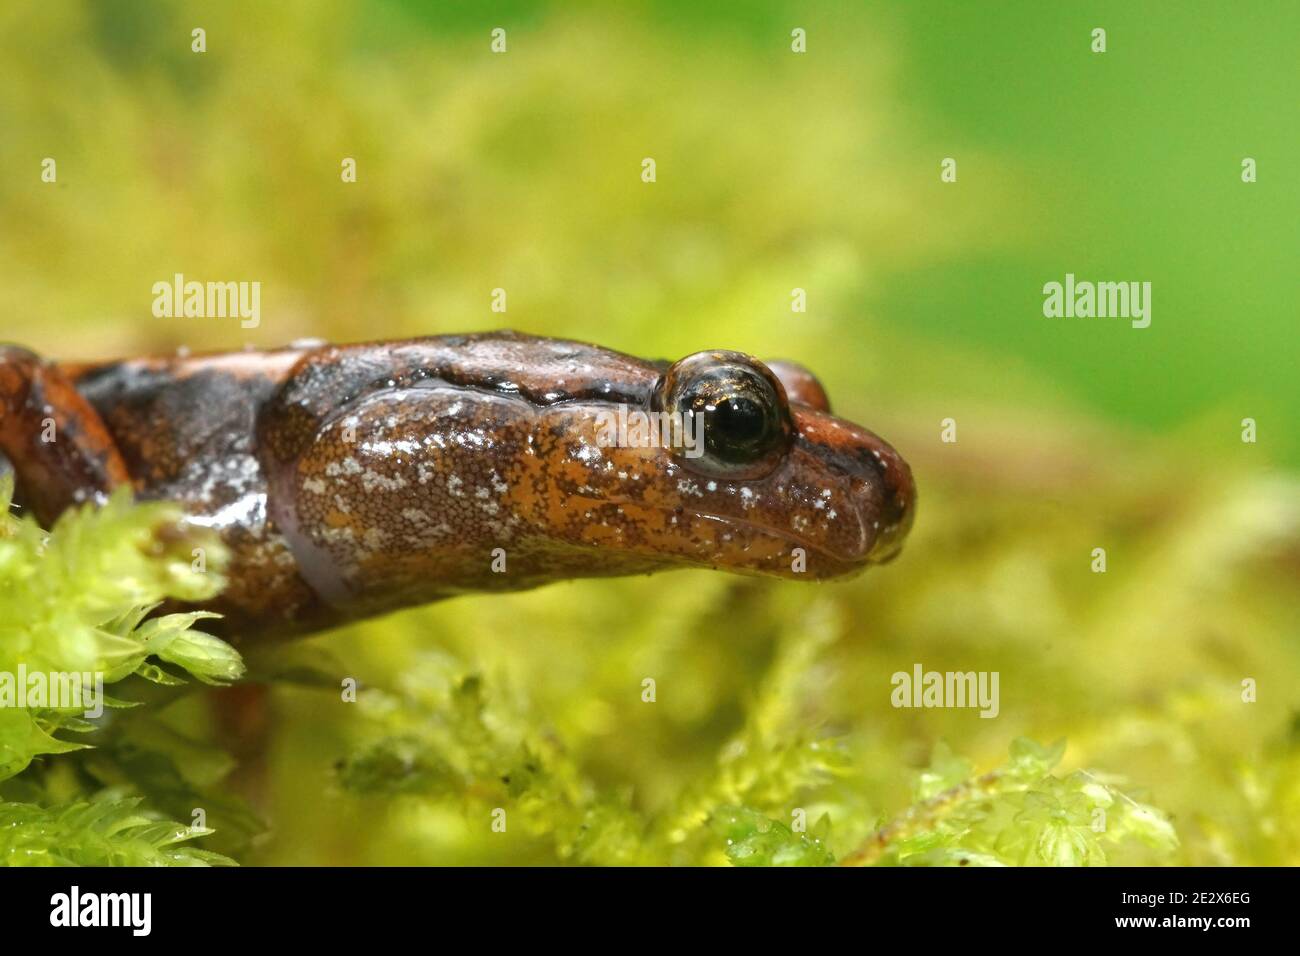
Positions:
{"x": 74, "y": 606}
{"x": 110, "y": 832}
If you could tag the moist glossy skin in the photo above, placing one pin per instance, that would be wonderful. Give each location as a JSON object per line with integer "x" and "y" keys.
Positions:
{"x": 353, "y": 480}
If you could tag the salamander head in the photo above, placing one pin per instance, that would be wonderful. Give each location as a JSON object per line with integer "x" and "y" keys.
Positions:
{"x": 503, "y": 462}
{"x": 732, "y": 464}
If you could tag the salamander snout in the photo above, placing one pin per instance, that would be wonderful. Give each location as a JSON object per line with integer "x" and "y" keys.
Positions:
{"x": 872, "y": 476}
{"x": 880, "y": 482}
{"x": 766, "y": 480}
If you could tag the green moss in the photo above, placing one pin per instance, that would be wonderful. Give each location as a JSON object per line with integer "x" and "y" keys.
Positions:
{"x": 1019, "y": 814}
{"x": 443, "y": 741}
{"x": 74, "y": 602}
{"x": 101, "y": 833}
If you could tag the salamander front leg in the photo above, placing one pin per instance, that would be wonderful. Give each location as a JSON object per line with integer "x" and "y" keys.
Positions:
{"x": 60, "y": 451}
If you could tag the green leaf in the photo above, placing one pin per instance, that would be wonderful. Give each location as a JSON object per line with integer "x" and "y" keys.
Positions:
{"x": 22, "y": 738}
{"x": 208, "y": 658}
{"x": 97, "y": 833}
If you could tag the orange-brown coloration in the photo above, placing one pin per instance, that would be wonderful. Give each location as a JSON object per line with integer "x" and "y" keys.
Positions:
{"x": 352, "y": 480}
{"x": 49, "y": 429}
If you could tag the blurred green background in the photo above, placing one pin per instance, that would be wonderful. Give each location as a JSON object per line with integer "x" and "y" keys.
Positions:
{"x": 774, "y": 171}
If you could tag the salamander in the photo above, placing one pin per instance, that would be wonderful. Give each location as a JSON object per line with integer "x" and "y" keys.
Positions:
{"x": 351, "y": 480}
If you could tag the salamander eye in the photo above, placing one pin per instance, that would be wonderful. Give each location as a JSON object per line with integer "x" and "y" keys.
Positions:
{"x": 735, "y": 418}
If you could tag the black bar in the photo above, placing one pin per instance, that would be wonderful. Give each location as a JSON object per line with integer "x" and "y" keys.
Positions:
{"x": 553, "y": 906}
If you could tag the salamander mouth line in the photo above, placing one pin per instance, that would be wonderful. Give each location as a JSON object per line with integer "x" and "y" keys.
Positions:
{"x": 733, "y": 522}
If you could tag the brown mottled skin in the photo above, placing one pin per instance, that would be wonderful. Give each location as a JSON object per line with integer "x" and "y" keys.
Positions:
{"x": 352, "y": 480}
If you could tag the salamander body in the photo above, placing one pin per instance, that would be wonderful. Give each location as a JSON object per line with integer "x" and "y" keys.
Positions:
{"x": 352, "y": 480}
